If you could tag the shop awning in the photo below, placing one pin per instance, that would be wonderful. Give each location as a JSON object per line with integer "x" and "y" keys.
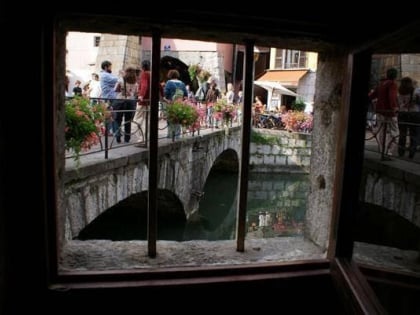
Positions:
{"x": 273, "y": 87}
{"x": 288, "y": 78}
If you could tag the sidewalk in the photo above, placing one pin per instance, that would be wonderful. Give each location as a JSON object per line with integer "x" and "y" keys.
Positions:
{"x": 371, "y": 145}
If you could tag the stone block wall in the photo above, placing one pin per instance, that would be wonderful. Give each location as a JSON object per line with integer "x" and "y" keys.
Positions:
{"x": 121, "y": 50}
{"x": 287, "y": 152}
{"x": 392, "y": 186}
{"x": 410, "y": 66}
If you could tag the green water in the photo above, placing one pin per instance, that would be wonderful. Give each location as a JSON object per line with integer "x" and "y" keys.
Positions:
{"x": 276, "y": 207}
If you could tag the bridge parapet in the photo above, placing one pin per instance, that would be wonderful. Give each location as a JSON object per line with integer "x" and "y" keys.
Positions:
{"x": 394, "y": 185}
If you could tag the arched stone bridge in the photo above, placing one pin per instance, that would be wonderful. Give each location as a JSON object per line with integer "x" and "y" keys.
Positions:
{"x": 183, "y": 169}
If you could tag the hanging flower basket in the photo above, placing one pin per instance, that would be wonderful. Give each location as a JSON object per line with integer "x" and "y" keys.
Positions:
{"x": 197, "y": 72}
{"x": 182, "y": 113}
{"x": 224, "y": 112}
{"x": 83, "y": 124}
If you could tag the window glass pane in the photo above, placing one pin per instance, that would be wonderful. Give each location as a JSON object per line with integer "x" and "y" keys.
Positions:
{"x": 387, "y": 232}
{"x": 302, "y": 60}
{"x": 97, "y": 40}
{"x": 279, "y": 59}
{"x": 200, "y": 113}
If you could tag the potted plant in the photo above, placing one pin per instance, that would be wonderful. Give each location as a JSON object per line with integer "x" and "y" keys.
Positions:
{"x": 181, "y": 114}
{"x": 297, "y": 121}
{"x": 83, "y": 124}
{"x": 197, "y": 72}
{"x": 224, "y": 112}
{"x": 298, "y": 105}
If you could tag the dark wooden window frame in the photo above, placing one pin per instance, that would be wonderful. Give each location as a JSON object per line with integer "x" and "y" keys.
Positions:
{"x": 346, "y": 275}
{"x": 58, "y": 278}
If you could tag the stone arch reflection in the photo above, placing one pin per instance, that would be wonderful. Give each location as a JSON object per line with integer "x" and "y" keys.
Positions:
{"x": 216, "y": 215}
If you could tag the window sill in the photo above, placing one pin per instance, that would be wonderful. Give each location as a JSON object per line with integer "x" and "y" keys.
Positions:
{"x": 105, "y": 255}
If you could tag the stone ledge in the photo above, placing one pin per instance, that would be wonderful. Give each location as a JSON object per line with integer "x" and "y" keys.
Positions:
{"x": 109, "y": 255}
{"x": 396, "y": 168}
{"x": 387, "y": 257}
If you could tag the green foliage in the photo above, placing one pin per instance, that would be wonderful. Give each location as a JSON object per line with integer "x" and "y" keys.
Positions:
{"x": 259, "y": 138}
{"x": 298, "y": 105}
{"x": 196, "y": 71}
{"x": 193, "y": 71}
{"x": 204, "y": 75}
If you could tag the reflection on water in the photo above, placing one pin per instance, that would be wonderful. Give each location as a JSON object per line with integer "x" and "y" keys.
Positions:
{"x": 276, "y": 205}
{"x": 218, "y": 205}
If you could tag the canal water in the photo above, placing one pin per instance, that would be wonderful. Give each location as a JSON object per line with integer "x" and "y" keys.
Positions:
{"x": 276, "y": 207}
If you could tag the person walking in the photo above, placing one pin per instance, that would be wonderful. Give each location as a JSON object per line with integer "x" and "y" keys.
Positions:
{"x": 213, "y": 94}
{"x": 126, "y": 104}
{"x": 407, "y": 114}
{"x": 107, "y": 82}
{"x": 174, "y": 87}
{"x": 143, "y": 105}
{"x": 386, "y": 96}
{"x": 94, "y": 89}
{"x": 77, "y": 90}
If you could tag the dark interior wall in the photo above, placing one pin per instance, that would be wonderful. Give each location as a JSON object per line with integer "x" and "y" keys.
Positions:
{"x": 24, "y": 257}
{"x": 397, "y": 299}
{"x": 293, "y": 296}
{"x": 2, "y": 229}
{"x": 23, "y": 274}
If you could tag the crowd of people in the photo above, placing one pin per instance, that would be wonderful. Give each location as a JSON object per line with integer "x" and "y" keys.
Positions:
{"x": 128, "y": 97}
{"x": 396, "y": 106}
{"x": 397, "y": 109}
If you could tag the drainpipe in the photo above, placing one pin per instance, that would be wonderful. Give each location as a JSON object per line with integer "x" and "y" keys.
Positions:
{"x": 234, "y": 60}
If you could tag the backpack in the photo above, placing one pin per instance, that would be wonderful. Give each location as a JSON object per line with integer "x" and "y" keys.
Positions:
{"x": 179, "y": 93}
{"x": 199, "y": 95}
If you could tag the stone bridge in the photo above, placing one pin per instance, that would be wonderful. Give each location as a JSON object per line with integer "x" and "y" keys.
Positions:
{"x": 183, "y": 169}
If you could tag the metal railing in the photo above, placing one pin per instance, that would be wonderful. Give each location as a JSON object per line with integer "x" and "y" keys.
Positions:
{"x": 111, "y": 135}
{"x": 384, "y": 135}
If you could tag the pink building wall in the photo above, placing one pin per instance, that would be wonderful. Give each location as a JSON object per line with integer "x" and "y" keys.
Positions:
{"x": 81, "y": 56}
{"x": 193, "y": 45}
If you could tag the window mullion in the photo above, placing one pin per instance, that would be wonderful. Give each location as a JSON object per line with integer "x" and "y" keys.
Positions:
{"x": 246, "y": 136}
{"x": 153, "y": 147}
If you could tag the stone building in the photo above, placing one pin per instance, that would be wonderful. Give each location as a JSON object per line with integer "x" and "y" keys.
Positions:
{"x": 406, "y": 64}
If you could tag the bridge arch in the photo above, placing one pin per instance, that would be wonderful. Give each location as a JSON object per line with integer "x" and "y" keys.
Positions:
{"x": 127, "y": 220}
